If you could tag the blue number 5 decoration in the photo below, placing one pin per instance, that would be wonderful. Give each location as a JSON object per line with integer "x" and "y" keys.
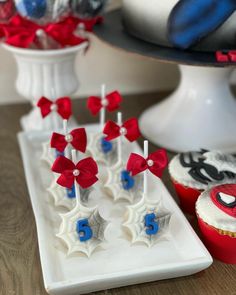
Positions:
{"x": 127, "y": 180}
{"x": 84, "y": 230}
{"x": 58, "y": 154}
{"x": 70, "y": 192}
{"x": 151, "y": 225}
{"x": 106, "y": 146}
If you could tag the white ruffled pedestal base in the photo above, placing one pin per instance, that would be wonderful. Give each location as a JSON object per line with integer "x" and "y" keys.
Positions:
{"x": 200, "y": 114}
{"x": 49, "y": 73}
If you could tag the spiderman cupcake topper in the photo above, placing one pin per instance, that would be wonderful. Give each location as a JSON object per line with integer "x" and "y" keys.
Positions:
{"x": 216, "y": 213}
{"x": 224, "y": 197}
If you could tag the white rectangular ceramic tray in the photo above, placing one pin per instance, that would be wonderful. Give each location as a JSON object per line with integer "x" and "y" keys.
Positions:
{"x": 120, "y": 263}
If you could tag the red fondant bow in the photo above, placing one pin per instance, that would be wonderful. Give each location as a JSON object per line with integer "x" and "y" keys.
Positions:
{"x": 77, "y": 138}
{"x": 61, "y": 105}
{"x": 22, "y": 33}
{"x": 129, "y": 129}
{"x": 84, "y": 172}
{"x": 111, "y": 102}
{"x": 156, "y": 163}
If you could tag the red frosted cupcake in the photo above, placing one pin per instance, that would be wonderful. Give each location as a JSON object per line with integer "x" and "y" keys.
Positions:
{"x": 216, "y": 212}
{"x": 194, "y": 172}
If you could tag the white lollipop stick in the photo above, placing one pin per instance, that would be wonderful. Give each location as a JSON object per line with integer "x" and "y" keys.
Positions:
{"x": 55, "y": 122}
{"x": 145, "y": 174}
{"x": 65, "y": 128}
{"x": 103, "y": 109}
{"x": 42, "y": 37}
{"x": 119, "y": 141}
{"x": 77, "y": 191}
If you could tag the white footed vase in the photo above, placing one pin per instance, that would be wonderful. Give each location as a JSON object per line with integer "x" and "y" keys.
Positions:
{"x": 49, "y": 73}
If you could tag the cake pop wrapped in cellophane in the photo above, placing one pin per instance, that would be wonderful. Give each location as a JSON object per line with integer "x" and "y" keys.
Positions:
{"x": 7, "y": 10}
{"x": 88, "y": 14}
{"x": 43, "y": 11}
{"x": 87, "y": 9}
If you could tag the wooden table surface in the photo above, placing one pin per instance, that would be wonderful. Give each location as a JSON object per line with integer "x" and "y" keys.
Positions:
{"x": 20, "y": 270}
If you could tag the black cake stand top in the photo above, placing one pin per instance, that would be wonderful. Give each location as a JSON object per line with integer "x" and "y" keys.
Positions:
{"x": 113, "y": 32}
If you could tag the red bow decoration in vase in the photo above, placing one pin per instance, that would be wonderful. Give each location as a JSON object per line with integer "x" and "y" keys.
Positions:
{"x": 77, "y": 138}
{"x": 129, "y": 129}
{"x": 62, "y": 106}
{"x": 155, "y": 163}
{"x": 24, "y": 33}
{"x": 111, "y": 102}
{"x": 84, "y": 172}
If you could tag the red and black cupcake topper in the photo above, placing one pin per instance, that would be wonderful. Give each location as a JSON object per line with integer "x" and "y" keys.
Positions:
{"x": 224, "y": 197}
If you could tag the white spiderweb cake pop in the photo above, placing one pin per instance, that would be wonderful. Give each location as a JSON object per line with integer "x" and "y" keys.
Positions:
{"x": 146, "y": 221}
{"x": 65, "y": 197}
{"x": 120, "y": 183}
{"x": 99, "y": 148}
{"x": 82, "y": 229}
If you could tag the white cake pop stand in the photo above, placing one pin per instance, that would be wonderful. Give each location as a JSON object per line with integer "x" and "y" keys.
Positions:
{"x": 49, "y": 73}
{"x": 201, "y": 113}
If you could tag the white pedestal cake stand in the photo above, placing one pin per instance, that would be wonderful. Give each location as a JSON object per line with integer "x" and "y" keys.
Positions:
{"x": 201, "y": 113}
{"x": 49, "y": 73}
